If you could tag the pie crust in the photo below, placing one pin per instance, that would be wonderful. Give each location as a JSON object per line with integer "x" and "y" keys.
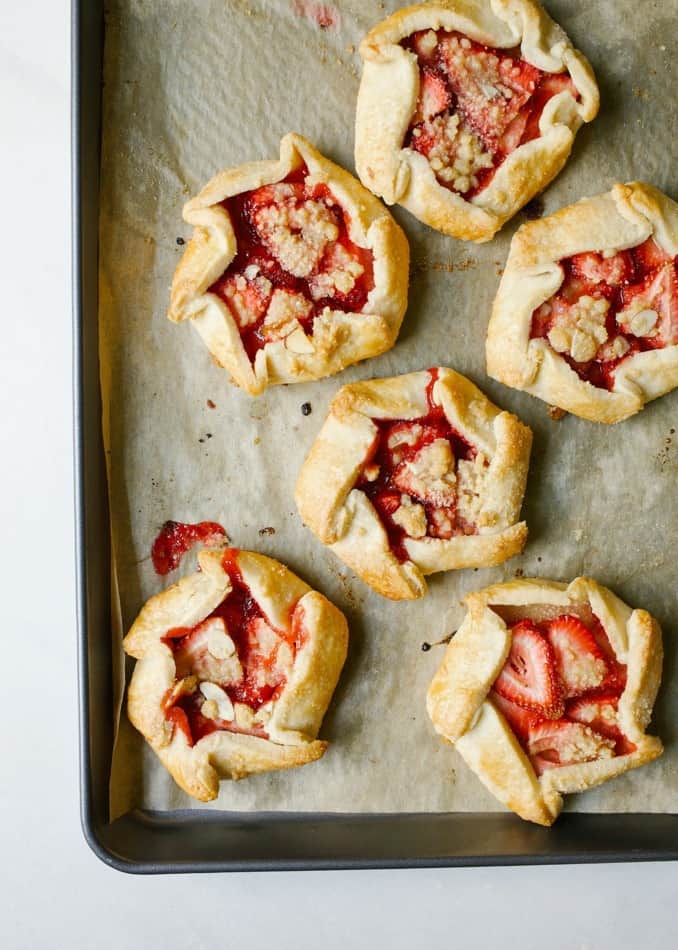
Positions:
{"x": 633, "y": 230}
{"x": 328, "y": 246}
{"x": 286, "y": 695}
{"x": 416, "y": 474}
{"x": 463, "y": 713}
{"x": 389, "y": 110}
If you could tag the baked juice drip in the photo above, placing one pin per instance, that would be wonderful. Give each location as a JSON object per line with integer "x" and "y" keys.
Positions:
{"x": 418, "y": 477}
{"x": 476, "y": 106}
{"x": 295, "y": 260}
{"x": 231, "y": 667}
{"x": 175, "y": 539}
{"x": 610, "y": 307}
{"x": 559, "y": 692}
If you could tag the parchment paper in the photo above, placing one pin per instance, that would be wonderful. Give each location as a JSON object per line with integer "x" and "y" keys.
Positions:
{"x": 192, "y": 86}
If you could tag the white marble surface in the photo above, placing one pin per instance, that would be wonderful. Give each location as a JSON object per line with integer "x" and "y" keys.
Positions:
{"x": 53, "y": 892}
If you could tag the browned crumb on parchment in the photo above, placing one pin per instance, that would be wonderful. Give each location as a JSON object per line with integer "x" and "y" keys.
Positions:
{"x": 425, "y": 264}
{"x": 556, "y": 413}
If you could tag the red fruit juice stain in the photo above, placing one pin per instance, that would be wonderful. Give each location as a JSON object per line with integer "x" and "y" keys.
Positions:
{"x": 176, "y": 539}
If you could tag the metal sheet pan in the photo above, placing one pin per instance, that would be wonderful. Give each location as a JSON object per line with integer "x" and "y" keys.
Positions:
{"x": 145, "y": 842}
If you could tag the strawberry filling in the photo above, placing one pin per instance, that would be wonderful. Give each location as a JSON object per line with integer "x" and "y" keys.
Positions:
{"x": 609, "y": 308}
{"x": 476, "y": 105}
{"x": 295, "y": 260}
{"x": 175, "y": 539}
{"x": 423, "y": 478}
{"x": 232, "y": 666}
{"x": 559, "y": 692}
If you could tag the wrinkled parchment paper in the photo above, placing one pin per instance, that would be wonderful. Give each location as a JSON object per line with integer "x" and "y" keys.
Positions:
{"x": 192, "y": 86}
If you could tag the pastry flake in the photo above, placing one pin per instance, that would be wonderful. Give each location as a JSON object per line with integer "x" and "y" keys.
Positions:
{"x": 547, "y": 689}
{"x": 236, "y": 667}
{"x": 294, "y": 270}
{"x": 416, "y": 474}
{"x": 586, "y": 316}
{"x": 466, "y": 111}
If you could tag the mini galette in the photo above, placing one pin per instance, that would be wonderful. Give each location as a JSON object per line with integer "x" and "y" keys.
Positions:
{"x": 416, "y": 474}
{"x": 586, "y": 316}
{"x": 294, "y": 270}
{"x": 236, "y": 667}
{"x": 468, "y": 110}
{"x": 547, "y": 689}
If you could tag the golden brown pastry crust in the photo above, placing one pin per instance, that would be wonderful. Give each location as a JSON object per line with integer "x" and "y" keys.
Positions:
{"x": 339, "y": 338}
{"x": 344, "y": 518}
{"x": 388, "y": 96}
{"x": 296, "y": 714}
{"x": 461, "y": 712}
{"x": 621, "y": 218}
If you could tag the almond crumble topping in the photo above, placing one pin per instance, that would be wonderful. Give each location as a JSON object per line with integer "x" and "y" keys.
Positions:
{"x": 457, "y": 154}
{"x": 411, "y": 517}
{"x": 581, "y": 330}
{"x": 285, "y": 312}
{"x": 471, "y": 480}
{"x": 296, "y": 232}
{"x": 430, "y": 475}
{"x": 340, "y": 276}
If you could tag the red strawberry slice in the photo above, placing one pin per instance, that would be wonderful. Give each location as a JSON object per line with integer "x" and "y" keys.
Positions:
{"x": 434, "y": 96}
{"x": 550, "y": 85}
{"x": 598, "y": 269}
{"x": 597, "y": 712}
{"x": 386, "y": 502}
{"x": 491, "y": 88}
{"x": 649, "y": 255}
{"x": 528, "y": 678}
{"x": 659, "y": 291}
{"x": 579, "y": 660}
{"x": 553, "y": 744}
{"x": 520, "y": 720}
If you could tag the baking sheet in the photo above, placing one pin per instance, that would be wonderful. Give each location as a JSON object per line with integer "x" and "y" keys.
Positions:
{"x": 197, "y": 85}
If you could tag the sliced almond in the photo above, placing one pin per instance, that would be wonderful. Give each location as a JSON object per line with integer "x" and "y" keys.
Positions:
{"x": 244, "y": 715}
{"x": 644, "y": 322}
{"x": 182, "y": 687}
{"x": 298, "y": 342}
{"x": 213, "y": 692}
{"x": 219, "y": 643}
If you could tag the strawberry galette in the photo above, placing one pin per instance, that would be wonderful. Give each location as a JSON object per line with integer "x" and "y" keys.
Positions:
{"x": 586, "y": 316}
{"x": 547, "y": 689}
{"x": 416, "y": 474}
{"x": 466, "y": 111}
{"x": 294, "y": 270}
{"x": 237, "y": 665}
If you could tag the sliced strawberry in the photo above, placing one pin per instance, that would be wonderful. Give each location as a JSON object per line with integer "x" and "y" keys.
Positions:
{"x": 658, "y": 292}
{"x": 520, "y": 720}
{"x": 386, "y": 502}
{"x": 491, "y": 87}
{"x": 597, "y": 712}
{"x": 553, "y": 744}
{"x": 528, "y": 678}
{"x": 178, "y": 717}
{"x": 598, "y": 269}
{"x": 649, "y": 255}
{"x": 615, "y": 678}
{"x": 551, "y": 84}
{"x": 434, "y": 96}
{"x": 514, "y": 134}
{"x": 579, "y": 660}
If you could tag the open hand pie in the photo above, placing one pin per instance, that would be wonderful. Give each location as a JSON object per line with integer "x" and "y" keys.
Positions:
{"x": 236, "y": 667}
{"x": 416, "y": 474}
{"x": 547, "y": 688}
{"x": 294, "y": 270}
{"x": 586, "y": 316}
{"x": 468, "y": 110}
